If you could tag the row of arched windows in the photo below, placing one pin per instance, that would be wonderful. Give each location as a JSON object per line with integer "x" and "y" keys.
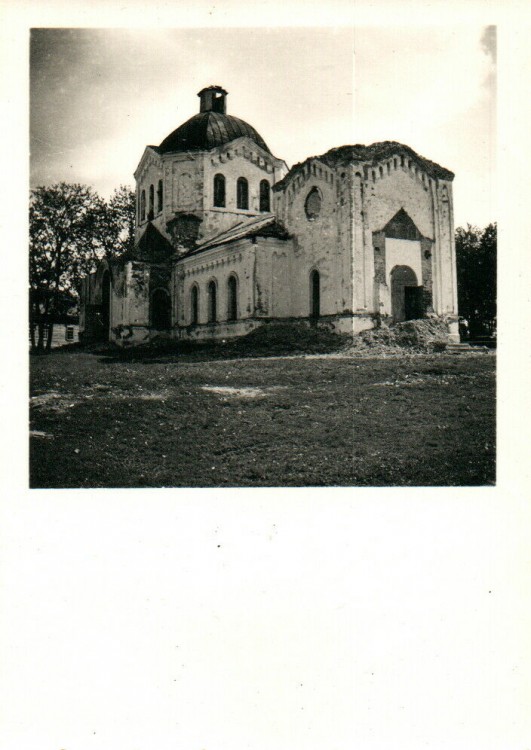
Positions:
{"x": 160, "y": 313}
{"x": 242, "y": 197}
{"x": 232, "y": 299}
{"x": 212, "y": 301}
{"x": 151, "y": 208}
{"x": 242, "y": 193}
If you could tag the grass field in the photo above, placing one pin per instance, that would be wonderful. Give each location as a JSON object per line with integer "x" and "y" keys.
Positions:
{"x": 101, "y": 420}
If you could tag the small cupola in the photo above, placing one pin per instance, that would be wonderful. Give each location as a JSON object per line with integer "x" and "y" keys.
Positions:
{"x": 213, "y": 99}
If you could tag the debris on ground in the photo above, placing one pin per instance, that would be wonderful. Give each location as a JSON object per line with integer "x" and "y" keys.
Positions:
{"x": 406, "y": 339}
{"x": 414, "y": 336}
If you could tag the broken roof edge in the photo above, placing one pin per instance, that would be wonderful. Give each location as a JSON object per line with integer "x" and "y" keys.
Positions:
{"x": 373, "y": 154}
{"x": 145, "y": 155}
{"x": 262, "y": 226}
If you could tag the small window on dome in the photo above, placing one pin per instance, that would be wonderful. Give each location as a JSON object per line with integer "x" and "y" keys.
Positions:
{"x": 312, "y": 205}
{"x": 265, "y": 203}
{"x": 159, "y": 197}
{"x": 219, "y": 191}
{"x": 242, "y": 193}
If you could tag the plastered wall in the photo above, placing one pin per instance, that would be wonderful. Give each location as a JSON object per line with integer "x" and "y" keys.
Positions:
{"x": 241, "y": 158}
{"x": 380, "y": 191}
{"x": 150, "y": 171}
{"x": 188, "y": 184}
{"x": 214, "y": 265}
{"x": 321, "y": 243}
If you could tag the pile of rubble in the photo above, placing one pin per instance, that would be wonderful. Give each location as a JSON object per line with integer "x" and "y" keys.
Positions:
{"x": 415, "y": 336}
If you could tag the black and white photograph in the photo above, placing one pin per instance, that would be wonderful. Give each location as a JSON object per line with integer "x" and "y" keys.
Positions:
{"x": 281, "y": 273}
{"x": 266, "y": 378}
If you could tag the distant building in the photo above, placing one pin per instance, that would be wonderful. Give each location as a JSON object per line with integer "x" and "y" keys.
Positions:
{"x": 63, "y": 333}
{"x": 229, "y": 238}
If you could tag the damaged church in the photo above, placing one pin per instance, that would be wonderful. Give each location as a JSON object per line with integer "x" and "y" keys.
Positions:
{"x": 229, "y": 238}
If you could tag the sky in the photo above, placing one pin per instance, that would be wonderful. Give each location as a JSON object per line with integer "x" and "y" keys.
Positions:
{"x": 99, "y": 96}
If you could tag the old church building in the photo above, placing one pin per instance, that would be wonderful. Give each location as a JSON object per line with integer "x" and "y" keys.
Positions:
{"x": 229, "y": 238}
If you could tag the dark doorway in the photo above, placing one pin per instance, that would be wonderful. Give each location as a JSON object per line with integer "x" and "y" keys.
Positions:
{"x": 315, "y": 294}
{"x": 413, "y": 302}
{"x": 160, "y": 310}
{"x": 406, "y": 295}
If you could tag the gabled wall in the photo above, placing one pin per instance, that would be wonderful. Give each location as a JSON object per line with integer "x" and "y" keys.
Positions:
{"x": 149, "y": 172}
{"x": 380, "y": 191}
{"x": 320, "y": 242}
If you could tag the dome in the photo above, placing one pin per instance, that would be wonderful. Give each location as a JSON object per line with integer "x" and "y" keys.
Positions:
{"x": 207, "y": 130}
{"x": 211, "y": 127}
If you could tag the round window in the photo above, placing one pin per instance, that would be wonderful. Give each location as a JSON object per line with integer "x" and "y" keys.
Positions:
{"x": 312, "y": 205}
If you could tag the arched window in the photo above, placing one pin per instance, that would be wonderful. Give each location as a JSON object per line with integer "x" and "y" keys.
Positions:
{"x": 159, "y": 197}
{"x": 151, "y": 211}
{"x": 265, "y": 202}
{"x": 194, "y": 305}
{"x": 315, "y": 294}
{"x": 219, "y": 191}
{"x": 232, "y": 298}
{"x": 160, "y": 310}
{"x": 212, "y": 302}
{"x": 312, "y": 205}
{"x": 143, "y": 205}
{"x": 242, "y": 193}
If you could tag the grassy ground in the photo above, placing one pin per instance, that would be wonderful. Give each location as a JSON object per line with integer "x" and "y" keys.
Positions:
{"x": 101, "y": 420}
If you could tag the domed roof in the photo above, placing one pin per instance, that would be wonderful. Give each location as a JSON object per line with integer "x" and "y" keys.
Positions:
{"x": 207, "y": 130}
{"x": 211, "y": 127}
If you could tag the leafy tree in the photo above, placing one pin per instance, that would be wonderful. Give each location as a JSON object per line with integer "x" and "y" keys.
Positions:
{"x": 71, "y": 229}
{"x": 476, "y": 277}
{"x": 113, "y": 224}
{"x": 123, "y": 205}
{"x": 59, "y": 224}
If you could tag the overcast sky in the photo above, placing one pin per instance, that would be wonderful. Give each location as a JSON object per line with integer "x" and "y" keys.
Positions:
{"x": 99, "y": 96}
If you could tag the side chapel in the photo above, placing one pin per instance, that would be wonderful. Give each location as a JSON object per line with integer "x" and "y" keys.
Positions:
{"x": 228, "y": 238}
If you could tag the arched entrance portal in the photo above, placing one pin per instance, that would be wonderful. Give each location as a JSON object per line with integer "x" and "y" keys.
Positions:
{"x": 406, "y": 294}
{"x": 105, "y": 305}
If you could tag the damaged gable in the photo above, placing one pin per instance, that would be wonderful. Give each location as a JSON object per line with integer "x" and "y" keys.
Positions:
{"x": 402, "y": 227}
{"x": 153, "y": 246}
